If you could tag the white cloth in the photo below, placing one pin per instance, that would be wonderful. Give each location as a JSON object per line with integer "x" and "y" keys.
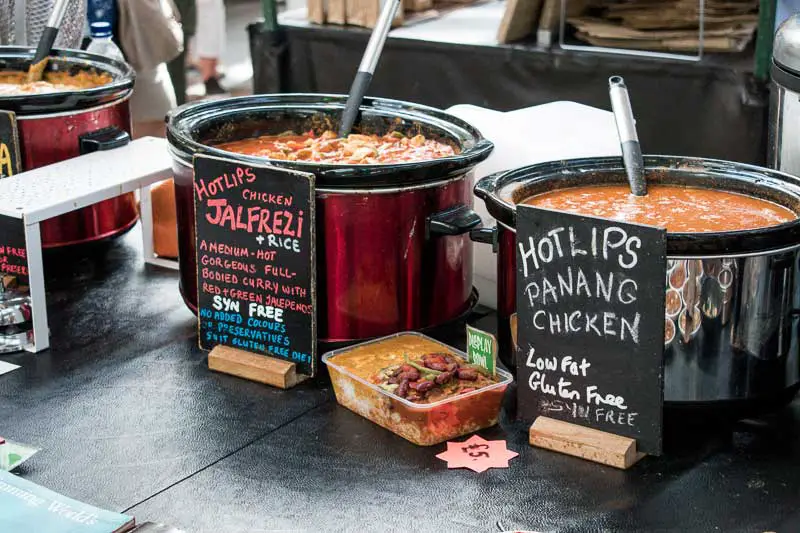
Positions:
{"x": 549, "y": 132}
{"x": 209, "y": 40}
{"x": 153, "y": 95}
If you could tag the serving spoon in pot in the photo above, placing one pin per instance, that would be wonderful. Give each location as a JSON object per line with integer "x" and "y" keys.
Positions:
{"x": 367, "y": 67}
{"x": 629, "y": 140}
{"x": 36, "y": 69}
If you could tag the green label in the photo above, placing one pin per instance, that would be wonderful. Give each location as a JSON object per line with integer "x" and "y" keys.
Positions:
{"x": 482, "y": 349}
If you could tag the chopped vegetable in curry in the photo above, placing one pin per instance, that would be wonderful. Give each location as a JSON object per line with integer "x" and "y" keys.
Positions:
{"x": 393, "y": 147}
{"x": 13, "y": 82}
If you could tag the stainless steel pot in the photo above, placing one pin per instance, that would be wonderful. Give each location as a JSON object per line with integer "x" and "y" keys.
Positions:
{"x": 784, "y": 120}
{"x": 732, "y": 298}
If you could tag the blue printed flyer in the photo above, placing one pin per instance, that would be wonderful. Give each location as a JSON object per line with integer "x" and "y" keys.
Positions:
{"x": 28, "y": 508}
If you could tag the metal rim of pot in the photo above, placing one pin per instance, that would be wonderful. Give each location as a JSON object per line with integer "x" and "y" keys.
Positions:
{"x": 502, "y": 191}
{"x": 18, "y": 58}
{"x": 192, "y": 127}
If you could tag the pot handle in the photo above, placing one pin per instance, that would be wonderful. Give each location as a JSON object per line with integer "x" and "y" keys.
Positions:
{"x": 486, "y": 236}
{"x": 104, "y": 139}
{"x": 487, "y": 185}
{"x": 456, "y": 220}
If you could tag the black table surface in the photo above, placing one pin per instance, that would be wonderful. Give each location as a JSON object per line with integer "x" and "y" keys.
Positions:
{"x": 128, "y": 417}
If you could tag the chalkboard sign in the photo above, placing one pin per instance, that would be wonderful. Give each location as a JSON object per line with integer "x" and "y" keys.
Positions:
{"x": 13, "y": 253}
{"x": 256, "y": 260}
{"x": 590, "y": 305}
{"x": 10, "y": 160}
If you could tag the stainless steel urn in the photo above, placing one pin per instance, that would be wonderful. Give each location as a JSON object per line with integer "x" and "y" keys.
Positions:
{"x": 784, "y": 126}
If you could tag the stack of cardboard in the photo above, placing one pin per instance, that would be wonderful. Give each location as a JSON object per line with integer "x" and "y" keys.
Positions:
{"x": 365, "y": 12}
{"x": 539, "y": 17}
{"x": 670, "y": 25}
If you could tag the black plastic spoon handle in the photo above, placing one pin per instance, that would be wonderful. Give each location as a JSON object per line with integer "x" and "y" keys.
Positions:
{"x": 45, "y": 44}
{"x": 629, "y": 140}
{"x": 50, "y": 31}
{"x": 634, "y": 167}
{"x": 353, "y": 105}
{"x": 367, "y": 67}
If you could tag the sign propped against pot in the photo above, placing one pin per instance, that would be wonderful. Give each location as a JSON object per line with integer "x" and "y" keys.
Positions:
{"x": 10, "y": 159}
{"x": 16, "y": 313}
{"x": 256, "y": 263}
{"x": 13, "y": 254}
{"x": 590, "y": 305}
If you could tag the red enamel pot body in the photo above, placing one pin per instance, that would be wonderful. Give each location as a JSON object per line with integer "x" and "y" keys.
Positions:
{"x": 393, "y": 245}
{"x": 51, "y": 127}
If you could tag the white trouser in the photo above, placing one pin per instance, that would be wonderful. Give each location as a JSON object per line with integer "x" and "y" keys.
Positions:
{"x": 153, "y": 95}
{"x": 209, "y": 40}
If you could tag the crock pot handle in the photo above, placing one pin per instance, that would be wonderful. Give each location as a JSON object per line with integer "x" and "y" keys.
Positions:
{"x": 487, "y": 186}
{"x": 486, "y": 236}
{"x": 104, "y": 139}
{"x": 457, "y": 220}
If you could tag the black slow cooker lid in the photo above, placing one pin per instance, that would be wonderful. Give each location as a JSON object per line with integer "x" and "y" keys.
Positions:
{"x": 196, "y": 128}
{"x": 504, "y": 190}
{"x": 19, "y": 58}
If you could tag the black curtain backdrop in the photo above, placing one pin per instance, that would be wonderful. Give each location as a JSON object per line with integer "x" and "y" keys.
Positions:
{"x": 708, "y": 109}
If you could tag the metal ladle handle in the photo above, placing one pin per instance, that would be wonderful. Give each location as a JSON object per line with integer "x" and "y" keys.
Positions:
{"x": 628, "y": 139}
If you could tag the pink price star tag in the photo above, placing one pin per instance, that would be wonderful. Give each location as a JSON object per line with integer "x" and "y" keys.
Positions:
{"x": 477, "y": 454}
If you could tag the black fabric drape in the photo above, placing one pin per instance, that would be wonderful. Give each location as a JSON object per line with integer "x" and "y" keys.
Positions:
{"x": 711, "y": 109}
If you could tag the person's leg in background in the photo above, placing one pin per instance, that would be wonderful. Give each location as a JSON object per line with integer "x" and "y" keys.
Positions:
{"x": 177, "y": 67}
{"x": 209, "y": 42}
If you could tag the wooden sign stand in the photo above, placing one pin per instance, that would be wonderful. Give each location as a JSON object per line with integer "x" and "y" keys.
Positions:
{"x": 261, "y": 368}
{"x": 586, "y": 443}
{"x": 579, "y": 441}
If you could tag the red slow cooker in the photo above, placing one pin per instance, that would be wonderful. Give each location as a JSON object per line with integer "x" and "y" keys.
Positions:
{"x": 393, "y": 247}
{"x": 58, "y": 126}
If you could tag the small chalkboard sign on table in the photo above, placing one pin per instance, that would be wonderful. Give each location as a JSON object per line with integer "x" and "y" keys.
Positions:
{"x": 590, "y": 311}
{"x": 256, "y": 269}
{"x": 10, "y": 160}
{"x": 13, "y": 252}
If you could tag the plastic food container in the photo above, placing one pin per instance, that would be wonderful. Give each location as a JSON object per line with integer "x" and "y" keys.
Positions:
{"x": 422, "y": 424}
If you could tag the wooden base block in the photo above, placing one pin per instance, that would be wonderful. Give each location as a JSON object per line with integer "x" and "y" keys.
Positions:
{"x": 260, "y": 368}
{"x": 583, "y": 442}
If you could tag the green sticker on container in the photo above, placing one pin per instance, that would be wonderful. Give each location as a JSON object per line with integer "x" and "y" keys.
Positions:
{"x": 482, "y": 349}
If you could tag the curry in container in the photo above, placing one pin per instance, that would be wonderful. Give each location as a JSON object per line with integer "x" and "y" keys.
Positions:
{"x": 15, "y": 83}
{"x": 678, "y": 209}
{"x": 328, "y": 148}
{"x": 416, "y": 387}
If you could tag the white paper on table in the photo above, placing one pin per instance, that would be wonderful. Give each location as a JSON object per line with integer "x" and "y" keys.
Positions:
{"x": 549, "y": 132}
{"x": 5, "y": 367}
{"x": 13, "y": 454}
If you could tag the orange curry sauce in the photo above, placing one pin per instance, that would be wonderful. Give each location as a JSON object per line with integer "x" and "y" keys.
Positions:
{"x": 676, "y": 208}
{"x": 15, "y": 83}
{"x": 355, "y": 149}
